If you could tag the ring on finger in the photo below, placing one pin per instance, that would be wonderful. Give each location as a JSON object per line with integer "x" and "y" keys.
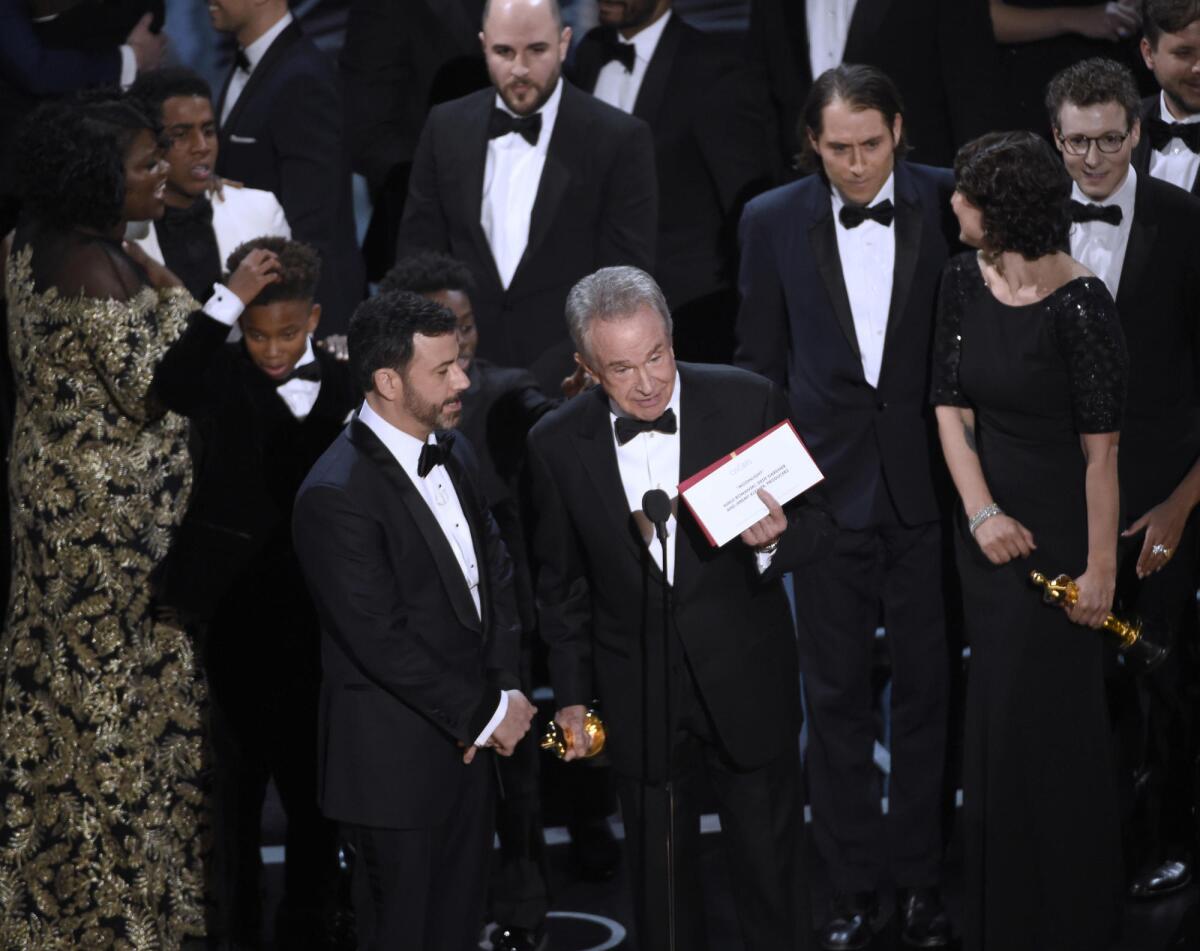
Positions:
{"x": 1160, "y": 550}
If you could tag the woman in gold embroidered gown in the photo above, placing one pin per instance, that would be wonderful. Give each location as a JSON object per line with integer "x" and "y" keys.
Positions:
{"x": 101, "y": 806}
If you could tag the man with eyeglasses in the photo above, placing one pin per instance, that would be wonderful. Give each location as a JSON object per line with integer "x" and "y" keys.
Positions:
{"x": 1137, "y": 234}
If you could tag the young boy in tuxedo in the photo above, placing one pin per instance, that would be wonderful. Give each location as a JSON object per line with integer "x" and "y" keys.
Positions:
{"x": 268, "y": 407}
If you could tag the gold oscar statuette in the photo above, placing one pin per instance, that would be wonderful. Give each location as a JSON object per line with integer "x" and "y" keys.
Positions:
{"x": 1138, "y": 650}
{"x": 558, "y": 741}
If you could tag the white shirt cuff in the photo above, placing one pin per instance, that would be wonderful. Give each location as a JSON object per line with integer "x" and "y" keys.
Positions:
{"x": 763, "y": 560}
{"x": 128, "y": 66}
{"x": 501, "y": 710}
{"x": 224, "y": 305}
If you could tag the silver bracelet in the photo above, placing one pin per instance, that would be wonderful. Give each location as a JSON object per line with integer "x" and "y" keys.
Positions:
{"x": 982, "y": 516}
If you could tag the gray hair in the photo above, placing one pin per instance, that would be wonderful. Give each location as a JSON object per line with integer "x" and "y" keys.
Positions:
{"x": 611, "y": 294}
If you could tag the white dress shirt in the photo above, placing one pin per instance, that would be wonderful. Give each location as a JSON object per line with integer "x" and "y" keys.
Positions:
{"x": 224, "y": 305}
{"x": 1177, "y": 163}
{"x": 438, "y": 492}
{"x": 301, "y": 395}
{"x": 828, "y": 27}
{"x": 510, "y": 183}
{"x": 868, "y": 255}
{"x": 254, "y": 54}
{"x": 648, "y": 461}
{"x": 620, "y": 88}
{"x": 1101, "y": 247}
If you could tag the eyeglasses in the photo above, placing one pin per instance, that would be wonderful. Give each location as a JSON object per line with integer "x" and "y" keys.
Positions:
{"x": 1108, "y": 143}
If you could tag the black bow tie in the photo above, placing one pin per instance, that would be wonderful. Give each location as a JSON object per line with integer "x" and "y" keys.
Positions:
{"x": 240, "y": 60}
{"x": 851, "y": 216}
{"x": 527, "y": 127}
{"x": 310, "y": 371}
{"x": 612, "y": 48}
{"x": 434, "y": 454}
{"x": 628, "y": 428}
{"x": 1161, "y": 133}
{"x": 1109, "y": 214}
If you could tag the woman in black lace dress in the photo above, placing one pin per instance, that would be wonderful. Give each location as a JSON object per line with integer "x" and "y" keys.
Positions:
{"x": 1029, "y": 385}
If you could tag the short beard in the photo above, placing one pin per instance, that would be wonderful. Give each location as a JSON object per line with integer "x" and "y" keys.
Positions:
{"x": 1180, "y": 105}
{"x": 432, "y": 415}
{"x": 543, "y": 96}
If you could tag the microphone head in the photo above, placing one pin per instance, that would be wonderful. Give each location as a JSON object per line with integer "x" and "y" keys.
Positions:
{"x": 656, "y": 505}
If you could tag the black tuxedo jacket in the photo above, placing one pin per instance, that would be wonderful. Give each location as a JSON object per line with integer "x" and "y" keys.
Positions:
{"x": 285, "y": 136}
{"x": 1158, "y": 300}
{"x": 795, "y": 327}
{"x": 251, "y": 454}
{"x": 711, "y": 149}
{"x": 598, "y": 611}
{"x": 1141, "y": 154}
{"x": 940, "y": 53}
{"x": 596, "y": 205}
{"x": 409, "y": 671}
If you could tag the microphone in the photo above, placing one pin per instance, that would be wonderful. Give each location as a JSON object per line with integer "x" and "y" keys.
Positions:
{"x": 656, "y": 506}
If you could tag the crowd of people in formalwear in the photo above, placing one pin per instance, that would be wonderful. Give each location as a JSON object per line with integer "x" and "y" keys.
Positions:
{"x": 287, "y": 510}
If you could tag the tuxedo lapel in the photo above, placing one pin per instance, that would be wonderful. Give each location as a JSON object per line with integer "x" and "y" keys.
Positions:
{"x": 330, "y": 403}
{"x": 468, "y": 500}
{"x": 1143, "y": 231}
{"x": 795, "y": 25}
{"x": 474, "y": 163}
{"x": 823, "y": 239}
{"x": 435, "y": 539}
{"x": 224, "y": 92}
{"x": 569, "y": 128}
{"x": 594, "y": 444}
{"x": 658, "y": 72}
{"x": 274, "y": 53}
{"x": 699, "y": 424}
{"x": 907, "y": 224}
{"x": 864, "y": 30}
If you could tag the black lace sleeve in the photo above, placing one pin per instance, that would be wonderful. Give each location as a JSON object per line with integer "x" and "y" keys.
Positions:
{"x": 1088, "y": 332}
{"x": 953, "y": 299}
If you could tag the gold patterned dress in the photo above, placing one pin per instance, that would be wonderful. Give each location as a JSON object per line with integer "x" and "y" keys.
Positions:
{"x": 101, "y": 807}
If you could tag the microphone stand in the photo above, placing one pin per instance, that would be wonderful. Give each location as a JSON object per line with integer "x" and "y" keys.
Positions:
{"x": 656, "y": 505}
{"x": 670, "y": 785}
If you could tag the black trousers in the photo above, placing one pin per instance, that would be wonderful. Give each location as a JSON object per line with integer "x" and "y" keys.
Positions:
{"x": 1155, "y": 715}
{"x": 424, "y": 889}
{"x": 891, "y": 571}
{"x": 762, "y": 832}
{"x": 263, "y": 664}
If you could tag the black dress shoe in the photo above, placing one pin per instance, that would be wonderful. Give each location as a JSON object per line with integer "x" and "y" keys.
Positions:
{"x": 1163, "y": 879}
{"x": 923, "y": 921}
{"x": 849, "y": 924}
{"x": 519, "y": 939}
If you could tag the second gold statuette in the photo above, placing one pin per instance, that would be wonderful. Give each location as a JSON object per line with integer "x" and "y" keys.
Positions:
{"x": 558, "y": 741}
